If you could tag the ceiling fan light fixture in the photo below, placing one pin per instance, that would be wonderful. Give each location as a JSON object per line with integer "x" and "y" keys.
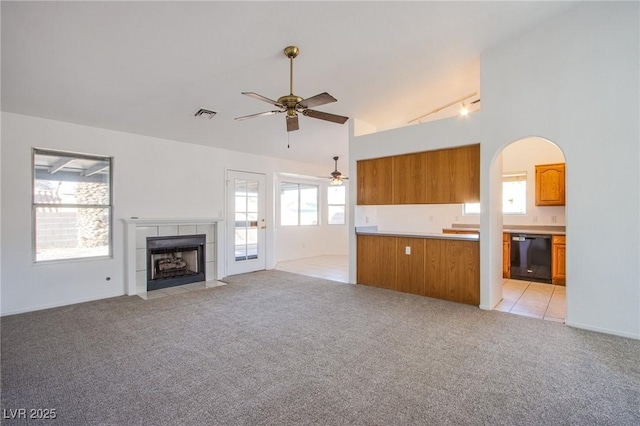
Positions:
{"x": 336, "y": 181}
{"x": 293, "y": 104}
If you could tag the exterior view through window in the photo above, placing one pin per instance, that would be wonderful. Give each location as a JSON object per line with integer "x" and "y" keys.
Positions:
{"x": 514, "y": 195}
{"x": 71, "y": 206}
{"x": 298, "y": 204}
{"x": 336, "y": 200}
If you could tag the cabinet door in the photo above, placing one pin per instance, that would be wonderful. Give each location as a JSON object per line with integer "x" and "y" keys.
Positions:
{"x": 410, "y": 179}
{"x": 452, "y": 270}
{"x": 375, "y": 181}
{"x": 467, "y": 169}
{"x": 550, "y": 185}
{"x": 506, "y": 256}
{"x": 558, "y": 260}
{"x": 453, "y": 175}
{"x": 410, "y": 266}
{"x": 376, "y": 264}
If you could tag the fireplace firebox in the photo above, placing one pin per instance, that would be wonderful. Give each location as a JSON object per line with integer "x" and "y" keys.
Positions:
{"x": 176, "y": 260}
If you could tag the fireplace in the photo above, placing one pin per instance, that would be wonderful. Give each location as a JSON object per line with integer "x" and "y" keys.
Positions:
{"x": 175, "y": 260}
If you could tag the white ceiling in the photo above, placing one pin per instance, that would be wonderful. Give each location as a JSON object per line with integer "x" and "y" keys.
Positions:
{"x": 147, "y": 67}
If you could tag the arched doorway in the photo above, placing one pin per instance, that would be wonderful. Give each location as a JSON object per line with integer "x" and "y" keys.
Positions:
{"x": 534, "y": 229}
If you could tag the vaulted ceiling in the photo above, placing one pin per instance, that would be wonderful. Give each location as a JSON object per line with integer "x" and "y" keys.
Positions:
{"x": 147, "y": 67}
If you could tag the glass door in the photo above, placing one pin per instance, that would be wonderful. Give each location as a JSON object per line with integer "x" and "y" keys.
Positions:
{"x": 246, "y": 225}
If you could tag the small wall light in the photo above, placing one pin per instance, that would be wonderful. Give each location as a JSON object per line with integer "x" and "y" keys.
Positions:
{"x": 464, "y": 111}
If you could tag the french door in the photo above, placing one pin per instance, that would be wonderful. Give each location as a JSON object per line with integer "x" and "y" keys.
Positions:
{"x": 246, "y": 225}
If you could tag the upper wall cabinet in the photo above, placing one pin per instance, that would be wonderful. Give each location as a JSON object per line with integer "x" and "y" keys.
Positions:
{"x": 453, "y": 175}
{"x": 445, "y": 176}
{"x": 550, "y": 185}
{"x": 374, "y": 181}
{"x": 410, "y": 178}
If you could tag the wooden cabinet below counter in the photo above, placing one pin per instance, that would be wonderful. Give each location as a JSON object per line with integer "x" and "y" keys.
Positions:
{"x": 447, "y": 269}
{"x": 506, "y": 255}
{"x": 558, "y": 260}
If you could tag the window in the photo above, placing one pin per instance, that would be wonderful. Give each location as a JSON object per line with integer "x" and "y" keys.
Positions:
{"x": 514, "y": 195}
{"x": 71, "y": 206}
{"x": 336, "y": 200}
{"x": 298, "y": 204}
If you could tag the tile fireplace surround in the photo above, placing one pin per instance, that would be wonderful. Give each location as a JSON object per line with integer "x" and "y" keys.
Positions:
{"x": 137, "y": 231}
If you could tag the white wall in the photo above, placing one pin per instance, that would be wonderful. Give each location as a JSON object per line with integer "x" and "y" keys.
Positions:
{"x": 430, "y": 218}
{"x": 146, "y": 172}
{"x": 573, "y": 81}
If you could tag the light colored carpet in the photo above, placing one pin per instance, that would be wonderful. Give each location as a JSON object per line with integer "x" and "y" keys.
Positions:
{"x": 278, "y": 348}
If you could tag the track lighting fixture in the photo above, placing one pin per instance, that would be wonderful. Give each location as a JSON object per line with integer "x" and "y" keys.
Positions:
{"x": 463, "y": 111}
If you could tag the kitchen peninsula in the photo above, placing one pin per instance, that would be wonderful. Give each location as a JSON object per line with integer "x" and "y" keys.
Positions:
{"x": 442, "y": 266}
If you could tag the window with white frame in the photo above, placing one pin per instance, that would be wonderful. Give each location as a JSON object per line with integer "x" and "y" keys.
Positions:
{"x": 298, "y": 204}
{"x": 514, "y": 195}
{"x": 336, "y": 201}
{"x": 72, "y": 210}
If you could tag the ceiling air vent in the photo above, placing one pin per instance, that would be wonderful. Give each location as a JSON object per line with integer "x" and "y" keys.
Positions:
{"x": 205, "y": 113}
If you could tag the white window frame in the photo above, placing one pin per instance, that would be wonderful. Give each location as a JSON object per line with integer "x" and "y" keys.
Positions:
{"x": 343, "y": 205}
{"x": 306, "y": 184}
{"x": 36, "y": 205}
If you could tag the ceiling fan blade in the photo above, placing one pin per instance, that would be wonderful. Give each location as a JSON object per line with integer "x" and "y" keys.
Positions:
{"x": 325, "y": 116}
{"x": 258, "y": 115}
{"x": 292, "y": 123}
{"x": 321, "y": 99}
{"x": 263, "y": 99}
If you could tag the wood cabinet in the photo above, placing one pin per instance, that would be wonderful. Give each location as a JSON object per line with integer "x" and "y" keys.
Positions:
{"x": 558, "y": 259}
{"x": 375, "y": 181}
{"x": 506, "y": 255}
{"x": 453, "y": 175}
{"x": 550, "y": 184}
{"x": 376, "y": 263}
{"x": 440, "y": 268}
{"x": 410, "y": 178}
{"x": 452, "y": 270}
{"x": 410, "y": 266}
{"x": 431, "y": 177}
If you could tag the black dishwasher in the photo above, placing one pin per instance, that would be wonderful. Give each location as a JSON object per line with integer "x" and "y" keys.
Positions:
{"x": 531, "y": 257}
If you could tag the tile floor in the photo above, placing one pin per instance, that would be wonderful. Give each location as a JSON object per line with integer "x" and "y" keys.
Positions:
{"x": 531, "y": 299}
{"x": 164, "y": 292}
{"x": 333, "y": 267}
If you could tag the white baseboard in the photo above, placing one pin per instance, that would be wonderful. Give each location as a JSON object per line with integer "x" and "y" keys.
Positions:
{"x": 603, "y": 330}
{"x": 57, "y": 305}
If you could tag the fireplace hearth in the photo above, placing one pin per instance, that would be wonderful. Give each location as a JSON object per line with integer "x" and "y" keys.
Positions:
{"x": 175, "y": 260}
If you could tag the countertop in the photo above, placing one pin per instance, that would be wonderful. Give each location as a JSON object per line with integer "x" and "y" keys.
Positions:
{"x": 372, "y": 230}
{"x": 535, "y": 230}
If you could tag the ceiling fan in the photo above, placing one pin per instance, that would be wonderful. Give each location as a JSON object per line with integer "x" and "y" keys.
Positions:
{"x": 293, "y": 104}
{"x": 336, "y": 176}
